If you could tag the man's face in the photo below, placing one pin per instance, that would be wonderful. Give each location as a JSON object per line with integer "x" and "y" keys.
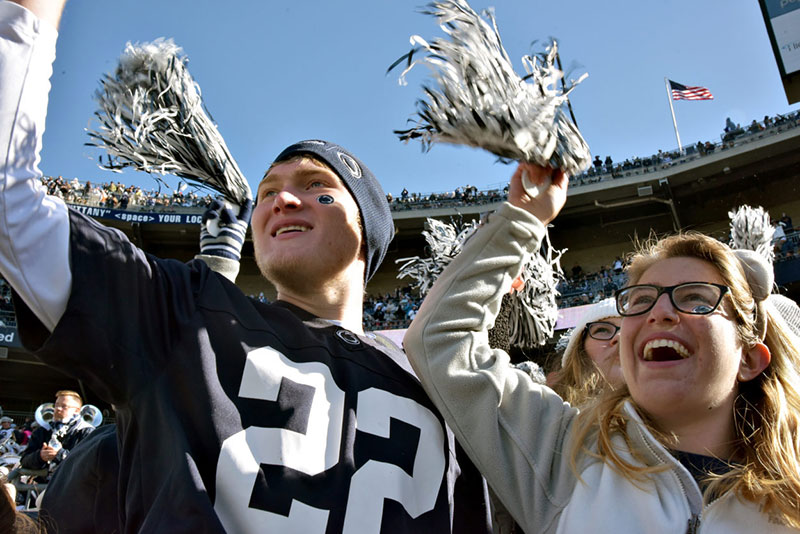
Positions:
{"x": 299, "y": 240}
{"x": 65, "y": 407}
{"x": 5, "y": 425}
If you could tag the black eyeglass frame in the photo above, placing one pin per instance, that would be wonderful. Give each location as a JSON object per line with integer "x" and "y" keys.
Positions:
{"x": 669, "y": 291}
{"x": 587, "y": 330}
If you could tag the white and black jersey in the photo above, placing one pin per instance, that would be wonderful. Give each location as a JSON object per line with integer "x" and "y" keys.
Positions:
{"x": 239, "y": 416}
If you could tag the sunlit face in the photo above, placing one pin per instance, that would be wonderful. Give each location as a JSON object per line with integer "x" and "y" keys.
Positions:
{"x": 297, "y": 238}
{"x": 605, "y": 353}
{"x": 674, "y": 362}
{"x": 65, "y": 407}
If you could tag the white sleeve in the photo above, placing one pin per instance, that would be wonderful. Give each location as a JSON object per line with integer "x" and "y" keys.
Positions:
{"x": 34, "y": 227}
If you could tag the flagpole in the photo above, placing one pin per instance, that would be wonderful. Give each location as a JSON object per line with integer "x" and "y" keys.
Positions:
{"x": 672, "y": 109}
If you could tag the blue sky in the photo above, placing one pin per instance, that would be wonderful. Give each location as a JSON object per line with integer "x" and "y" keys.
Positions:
{"x": 274, "y": 73}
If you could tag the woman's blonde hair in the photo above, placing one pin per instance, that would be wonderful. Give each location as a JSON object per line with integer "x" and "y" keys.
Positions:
{"x": 578, "y": 380}
{"x": 766, "y": 411}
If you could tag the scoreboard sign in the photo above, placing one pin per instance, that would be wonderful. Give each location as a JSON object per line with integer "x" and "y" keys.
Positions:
{"x": 782, "y": 18}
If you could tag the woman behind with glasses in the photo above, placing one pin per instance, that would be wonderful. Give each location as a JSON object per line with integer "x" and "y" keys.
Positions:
{"x": 591, "y": 359}
{"x": 702, "y": 437}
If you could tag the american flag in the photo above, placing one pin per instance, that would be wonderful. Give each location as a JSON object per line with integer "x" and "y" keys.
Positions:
{"x": 684, "y": 92}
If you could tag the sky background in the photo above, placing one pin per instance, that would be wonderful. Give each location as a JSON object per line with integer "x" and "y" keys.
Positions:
{"x": 274, "y": 73}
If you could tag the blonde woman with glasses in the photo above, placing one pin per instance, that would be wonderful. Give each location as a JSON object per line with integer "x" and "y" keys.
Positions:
{"x": 590, "y": 361}
{"x": 702, "y": 436}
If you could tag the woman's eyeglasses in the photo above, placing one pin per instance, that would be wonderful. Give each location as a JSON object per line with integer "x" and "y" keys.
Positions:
{"x": 601, "y": 330}
{"x": 695, "y": 298}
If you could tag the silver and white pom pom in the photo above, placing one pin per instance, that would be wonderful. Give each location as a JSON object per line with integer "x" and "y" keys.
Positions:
{"x": 479, "y": 100}
{"x": 751, "y": 230}
{"x": 151, "y": 117}
{"x": 534, "y": 310}
{"x": 445, "y": 242}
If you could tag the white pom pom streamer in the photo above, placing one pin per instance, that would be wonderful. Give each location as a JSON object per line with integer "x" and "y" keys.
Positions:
{"x": 534, "y": 310}
{"x": 445, "y": 241}
{"x": 480, "y": 100}
{"x": 152, "y": 118}
{"x": 751, "y": 230}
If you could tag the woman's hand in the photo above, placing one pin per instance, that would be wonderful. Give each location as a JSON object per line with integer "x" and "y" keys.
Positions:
{"x": 546, "y": 205}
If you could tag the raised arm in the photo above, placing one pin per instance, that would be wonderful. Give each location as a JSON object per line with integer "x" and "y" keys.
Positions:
{"x": 34, "y": 228}
{"x": 46, "y": 10}
{"x": 514, "y": 429}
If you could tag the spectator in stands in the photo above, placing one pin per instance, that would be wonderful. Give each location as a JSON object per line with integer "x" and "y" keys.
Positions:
{"x": 590, "y": 361}
{"x": 701, "y": 148}
{"x": 786, "y": 221}
{"x": 6, "y": 428}
{"x": 780, "y": 241}
{"x": 49, "y": 447}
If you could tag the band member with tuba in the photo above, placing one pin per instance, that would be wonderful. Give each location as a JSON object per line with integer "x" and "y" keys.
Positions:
{"x": 48, "y": 447}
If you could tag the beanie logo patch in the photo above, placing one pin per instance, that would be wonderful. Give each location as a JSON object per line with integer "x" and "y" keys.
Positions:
{"x": 351, "y": 164}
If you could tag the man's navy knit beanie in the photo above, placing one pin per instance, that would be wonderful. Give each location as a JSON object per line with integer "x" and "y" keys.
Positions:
{"x": 376, "y": 219}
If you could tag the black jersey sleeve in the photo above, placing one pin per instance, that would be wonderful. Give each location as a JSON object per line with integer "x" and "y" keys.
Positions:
{"x": 115, "y": 332}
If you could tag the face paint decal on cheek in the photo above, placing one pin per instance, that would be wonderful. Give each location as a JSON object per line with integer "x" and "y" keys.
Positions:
{"x": 325, "y": 199}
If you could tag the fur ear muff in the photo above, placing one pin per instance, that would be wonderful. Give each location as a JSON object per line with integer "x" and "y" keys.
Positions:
{"x": 758, "y": 271}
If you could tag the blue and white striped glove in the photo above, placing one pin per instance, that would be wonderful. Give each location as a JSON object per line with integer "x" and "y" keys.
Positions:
{"x": 223, "y": 230}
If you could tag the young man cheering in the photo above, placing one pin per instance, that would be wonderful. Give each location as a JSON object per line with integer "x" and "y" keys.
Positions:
{"x": 232, "y": 415}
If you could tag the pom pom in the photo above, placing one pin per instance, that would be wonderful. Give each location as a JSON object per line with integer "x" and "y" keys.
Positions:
{"x": 534, "y": 311}
{"x": 751, "y": 230}
{"x": 152, "y": 118}
{"x": 479, "y": 100}
{"x": 445, "y": 241}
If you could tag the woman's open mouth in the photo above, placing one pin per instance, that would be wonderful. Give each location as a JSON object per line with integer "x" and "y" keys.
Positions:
{"x": 664, "y": 350}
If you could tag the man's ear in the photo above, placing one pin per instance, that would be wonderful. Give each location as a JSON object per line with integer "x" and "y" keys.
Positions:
{"x": 754, "y": 361}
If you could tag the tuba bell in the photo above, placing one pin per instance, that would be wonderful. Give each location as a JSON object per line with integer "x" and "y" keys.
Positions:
{"x": 44, "y": 415}
{"x": 92, "y": 415}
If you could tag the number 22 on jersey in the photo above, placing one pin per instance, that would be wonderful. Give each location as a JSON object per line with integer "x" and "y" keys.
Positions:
{"x": 318, "y": 449}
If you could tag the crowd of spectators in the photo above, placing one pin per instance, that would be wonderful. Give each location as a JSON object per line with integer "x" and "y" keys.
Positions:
{"x": 391, "y": 311}
{"x": 119, "y": 196}
{"x": 733, "y": 134}
{"x": 468, "y": 195}
{"x": 579, "y": 288}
